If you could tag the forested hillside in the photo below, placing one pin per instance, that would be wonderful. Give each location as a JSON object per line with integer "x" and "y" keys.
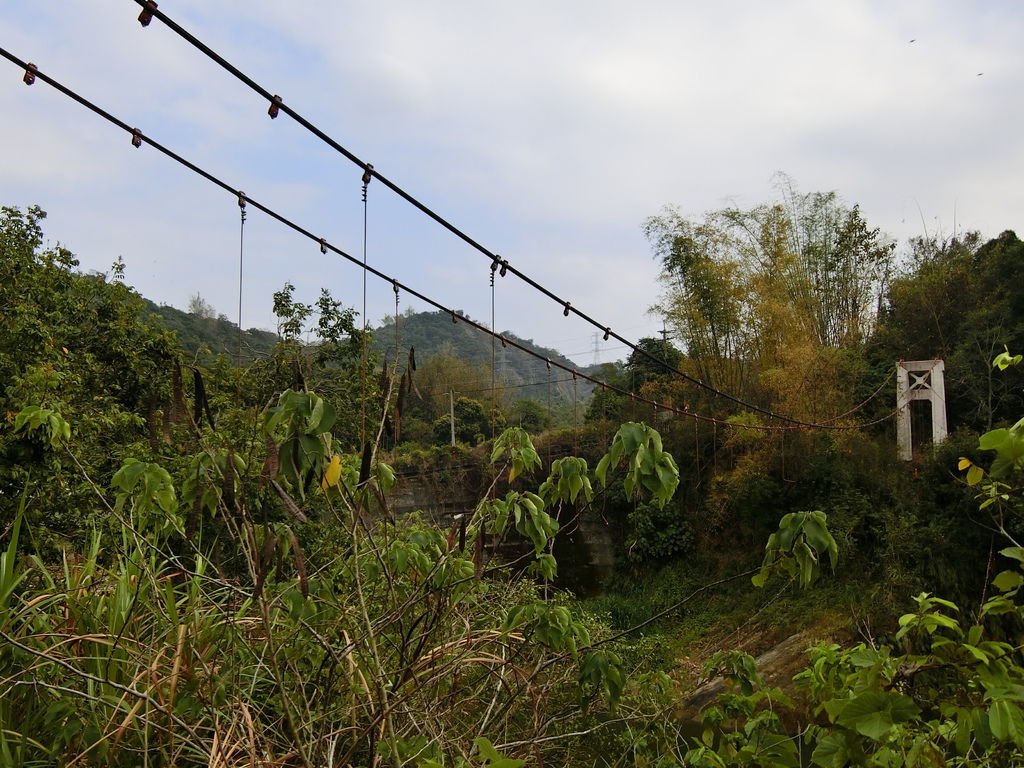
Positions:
{"x": 205, "y": 335}
{"x": 433, "y": 334}
{"x": 201, "y": 563}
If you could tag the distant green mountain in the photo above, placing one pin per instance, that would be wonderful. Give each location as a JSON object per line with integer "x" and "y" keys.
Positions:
{"x": 524, "y": 376}
{"x": 430, "y": 333}
{"x": 217, "y": 334}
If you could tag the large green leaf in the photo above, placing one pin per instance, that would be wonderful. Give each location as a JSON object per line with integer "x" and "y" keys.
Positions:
{"x": 833, "y": 751}
{"x": 873, "y": 713}
{"x": 1006, "y": 721}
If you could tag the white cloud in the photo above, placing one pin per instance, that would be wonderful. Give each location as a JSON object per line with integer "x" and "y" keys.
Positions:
{"x": 548, "y": 131}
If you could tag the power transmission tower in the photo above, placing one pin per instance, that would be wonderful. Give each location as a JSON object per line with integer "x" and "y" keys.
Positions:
{"x": 597, "y": 348}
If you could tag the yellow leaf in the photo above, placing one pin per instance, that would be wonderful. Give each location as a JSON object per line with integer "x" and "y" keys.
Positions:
{"x": 333, "y": 474}
{"x": 975, "y": 475}
{"x": 964, "y": 464}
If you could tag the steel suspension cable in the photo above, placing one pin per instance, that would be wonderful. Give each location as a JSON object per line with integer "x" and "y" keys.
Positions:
{"x": 277, "y": 106}
{"x": 138, "y": 138}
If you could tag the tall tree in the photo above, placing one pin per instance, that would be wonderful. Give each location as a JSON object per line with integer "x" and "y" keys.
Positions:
{"x": 962, "y": 301}
{"x": 763, "y": 299}
{"x": 704, "y": 294}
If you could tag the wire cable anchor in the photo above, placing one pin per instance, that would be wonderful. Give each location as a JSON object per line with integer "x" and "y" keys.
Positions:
{"x": 147, "y": 13}
{"x": 367, "y": 178}
{"x": 275, "y": 106}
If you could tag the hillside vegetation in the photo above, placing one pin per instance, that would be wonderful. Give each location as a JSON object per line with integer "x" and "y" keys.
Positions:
{"x": 204, "y": 336}
{"x": 200, "y": 565}
{"x": 519, "y": 375}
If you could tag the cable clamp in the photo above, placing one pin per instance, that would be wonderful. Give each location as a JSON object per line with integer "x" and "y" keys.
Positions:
{"x": 30, "y": 73}
{"x": 607, "y": 333}
{"x": 394, "y": 286}
{"x": 136, "y": 138}
{"x": 504, "y": 267}
{"x": 323, "y": 245}
{"x": 495, "y": 263}
{"x": 147, "y": 13}
{"x": 503, "y": 344}
{"x": 565, "y": 311}
{"x": 454, "y": 319}
{"x": 241, "y": 199}
{"x": 275, "y": 106}
{"x": 547, "y": 361}
{"x": 367, "y": 173}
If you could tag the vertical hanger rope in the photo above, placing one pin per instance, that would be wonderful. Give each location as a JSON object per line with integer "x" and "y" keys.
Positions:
{"x": 241, "y": 266}
{"x": 575, "y": 424}
{"x": 494, "y": 397}
{"x": 394, "y": 286}
{"x": 367, "y": 176}
{"x": 550, "y": 417}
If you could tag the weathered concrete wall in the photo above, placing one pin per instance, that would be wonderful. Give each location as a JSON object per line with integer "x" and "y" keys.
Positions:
{"x": 438, "y": 500}
{"x": 584, "y": 546}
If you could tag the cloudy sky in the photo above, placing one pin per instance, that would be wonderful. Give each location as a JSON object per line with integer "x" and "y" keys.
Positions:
{"x": 547, "y": 130}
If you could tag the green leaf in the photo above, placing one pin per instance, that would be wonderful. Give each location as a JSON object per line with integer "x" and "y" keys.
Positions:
{"x": 873, "y": 714}
{"x": 993, "y": 440}
{"x": 322, "y": 418}
{"x": 1008, "y": 580}
{"x": 493, "y": 758}
{"x": 1004, "y": 359}
{"x": 1006, "y": 721}
{"x": 976, "y": 653}
{"x": 832, "y": 751}
{"x": 1016, "y": 553}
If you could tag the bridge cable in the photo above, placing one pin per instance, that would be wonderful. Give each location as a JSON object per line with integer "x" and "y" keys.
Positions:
{"x": 277, "y": 106}
{"x": 138, "y": 138}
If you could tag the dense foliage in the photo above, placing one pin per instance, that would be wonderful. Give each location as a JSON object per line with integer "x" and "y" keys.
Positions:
{"x": 519, "y": 375}
{"x": 203, "y": 334}
{"x": 201, "y": 565}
